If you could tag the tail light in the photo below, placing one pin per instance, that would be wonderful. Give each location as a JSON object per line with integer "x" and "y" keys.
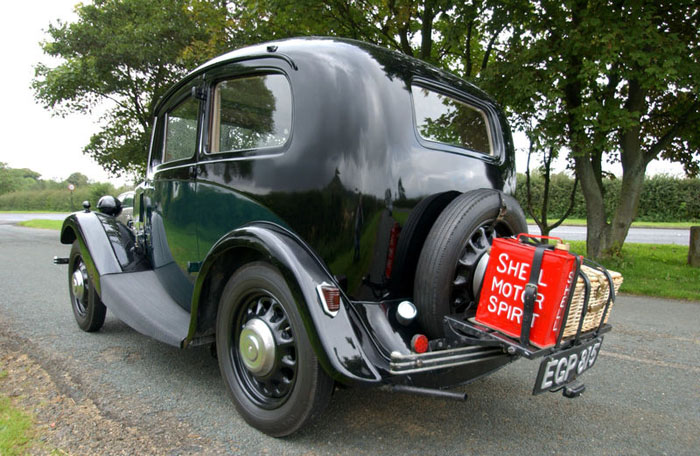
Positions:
{"x": 419, "y": 343}
{"x": 330, "y": 298}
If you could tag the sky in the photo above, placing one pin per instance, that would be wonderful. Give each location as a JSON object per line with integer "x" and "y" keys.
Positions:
{"x": 51, "y": 145}
{"x": 32, "y": 137}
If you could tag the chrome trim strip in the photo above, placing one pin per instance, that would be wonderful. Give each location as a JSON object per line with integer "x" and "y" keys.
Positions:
{"x": 415, "y": 363}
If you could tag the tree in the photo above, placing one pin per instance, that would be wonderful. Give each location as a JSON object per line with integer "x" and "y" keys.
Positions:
{"x": 16, "y": 179}
{"x": 125, "y": 54}
{"x": 459, "y": 36}
{"x": 78, "y": 179}
{"x": 615, "y": 81}
{"x": 541, "y": 216}
{"x": 128, "y": 52}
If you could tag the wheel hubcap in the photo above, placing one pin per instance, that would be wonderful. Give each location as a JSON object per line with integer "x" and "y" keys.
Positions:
{"x": 257, "y": 347}
{"x": 78, "y": 283}
{"x": 264, "y": 350}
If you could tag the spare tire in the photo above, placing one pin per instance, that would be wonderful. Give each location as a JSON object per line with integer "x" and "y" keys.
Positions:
{"x": 412, "y": 237}
{"x": 459, "y": 238}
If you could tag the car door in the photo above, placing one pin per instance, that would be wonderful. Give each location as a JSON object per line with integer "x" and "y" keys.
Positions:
{"x": 171, "y": 212}
{"x": 247, "y": 127}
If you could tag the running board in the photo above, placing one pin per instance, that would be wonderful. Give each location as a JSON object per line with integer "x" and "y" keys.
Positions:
{"x": 139, "y": 300}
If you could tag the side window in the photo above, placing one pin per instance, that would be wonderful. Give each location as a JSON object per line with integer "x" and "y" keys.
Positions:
{"x": 446, "y": 120}
{"x": 251, "y": 113}
{"x": 181, "y": 130}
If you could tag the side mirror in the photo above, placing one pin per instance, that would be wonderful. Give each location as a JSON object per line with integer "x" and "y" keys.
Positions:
{"x": 109, "y": 205}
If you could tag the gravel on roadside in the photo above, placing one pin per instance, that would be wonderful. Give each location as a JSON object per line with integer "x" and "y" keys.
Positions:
{"x": 67, "y": 421}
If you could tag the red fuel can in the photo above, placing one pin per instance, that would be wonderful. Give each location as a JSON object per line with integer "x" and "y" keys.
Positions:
{"x": 508, "y": 272}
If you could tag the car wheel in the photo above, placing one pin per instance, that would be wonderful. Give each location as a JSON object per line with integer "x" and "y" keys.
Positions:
{"x": 88, "y": 309}
{"x": 264, "y": 353}
{"x": 452, "y": 255}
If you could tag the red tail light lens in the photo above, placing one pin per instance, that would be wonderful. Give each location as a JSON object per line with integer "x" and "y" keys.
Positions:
{"x": 330, "y": 298}
{"x": 419, "y": 343}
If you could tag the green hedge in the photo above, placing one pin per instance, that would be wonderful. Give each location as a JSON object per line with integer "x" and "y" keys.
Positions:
{"x": 55, "y": 199}
{"x": 664, "y": 198}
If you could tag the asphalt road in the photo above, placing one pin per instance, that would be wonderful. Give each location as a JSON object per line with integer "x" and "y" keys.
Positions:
{"x": 10, "y": 218}
{"x": 643, "y": 394}
{"x": 640, "y": 235}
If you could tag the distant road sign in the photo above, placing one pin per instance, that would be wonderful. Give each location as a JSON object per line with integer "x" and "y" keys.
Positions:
{"x": 71, "y": 187}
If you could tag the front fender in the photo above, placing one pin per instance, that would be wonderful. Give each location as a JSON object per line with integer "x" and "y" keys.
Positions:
{"x": 106, "y": 244}
{"x": 335, "y": 343}
{"x": 95, "y": 246}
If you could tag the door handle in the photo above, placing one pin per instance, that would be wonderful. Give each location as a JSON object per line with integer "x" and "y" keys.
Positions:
{"x": 193, "y": 172}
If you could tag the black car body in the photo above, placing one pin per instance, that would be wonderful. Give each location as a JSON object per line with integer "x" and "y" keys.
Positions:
{"x": 322, "y": 166}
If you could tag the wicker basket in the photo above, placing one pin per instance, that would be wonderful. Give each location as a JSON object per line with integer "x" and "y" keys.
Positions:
{"x": 596, "y": 304}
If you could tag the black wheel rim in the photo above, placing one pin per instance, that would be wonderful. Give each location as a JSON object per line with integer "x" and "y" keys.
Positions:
{"x": 79, "y": 293}
{"x": 271, "y": 390}
{"x": 463, "y": 295}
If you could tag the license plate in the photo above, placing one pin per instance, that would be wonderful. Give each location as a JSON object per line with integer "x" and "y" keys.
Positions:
{"x": 563, "y": 367}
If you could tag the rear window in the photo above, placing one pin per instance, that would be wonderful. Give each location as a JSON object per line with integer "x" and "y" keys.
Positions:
{"x": 251, "y": 113}
{"x": 446, "y": 120}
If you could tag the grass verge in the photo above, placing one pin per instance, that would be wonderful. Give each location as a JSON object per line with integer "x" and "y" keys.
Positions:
{"x": 653, "y": 270}
{"x": 43, "y": 224}
{"x": 582, "y": 222}
{"x": 16, "y": 429}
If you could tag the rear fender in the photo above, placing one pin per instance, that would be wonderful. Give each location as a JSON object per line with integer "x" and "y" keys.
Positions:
{"x": 333, "y": 339}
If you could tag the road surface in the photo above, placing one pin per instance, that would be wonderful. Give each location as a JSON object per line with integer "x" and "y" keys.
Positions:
{"x": 10, "y": 218}
{"x": 643, "y": 395}
{"x": 641, "y": 235}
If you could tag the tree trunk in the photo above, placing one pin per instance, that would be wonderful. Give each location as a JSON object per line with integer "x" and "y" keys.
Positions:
{"x": 694, "y": 247}
{"x": 596, "y": 220}
{"x": 426, "y": 47}
{"x": 634, "y": 166}
{"x": 626, "y": 211}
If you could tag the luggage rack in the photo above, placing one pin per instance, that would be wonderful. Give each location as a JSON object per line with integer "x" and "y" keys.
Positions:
{"x": 468, "y": 332}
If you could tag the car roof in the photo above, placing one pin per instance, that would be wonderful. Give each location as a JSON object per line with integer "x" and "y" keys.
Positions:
{"x": 320, "y": 50}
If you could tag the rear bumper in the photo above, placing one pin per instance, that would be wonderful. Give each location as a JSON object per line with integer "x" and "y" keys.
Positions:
{"x": 467, "y": 352}
{"x": 402, "y": 364}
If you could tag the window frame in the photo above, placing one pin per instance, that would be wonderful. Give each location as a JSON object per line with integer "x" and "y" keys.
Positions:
{"x": 487, "y": 110}
{"x": 212, "y": 115}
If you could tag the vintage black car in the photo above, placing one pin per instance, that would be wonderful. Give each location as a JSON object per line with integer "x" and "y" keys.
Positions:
{"x": 321, "y": 210}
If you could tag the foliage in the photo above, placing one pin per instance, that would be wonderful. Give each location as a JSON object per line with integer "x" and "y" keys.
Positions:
{"x": 56, "y": 199}
{"x": 653, "y": 270}
{"x": 42, "y": 224}
{"x": 37, "y": 194}
{"x": 545, "y": 171}
{"x": 78, "y": 179}
{"x": 16, "y": 431}
{"x": 667, "y": 199}
{"x": 663, "y": 198}
{"x": 123, "y": 54}
{"x": 459, "y": 36}
{"x": 12, "y": 179}
{"x": 608, "y": 81}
